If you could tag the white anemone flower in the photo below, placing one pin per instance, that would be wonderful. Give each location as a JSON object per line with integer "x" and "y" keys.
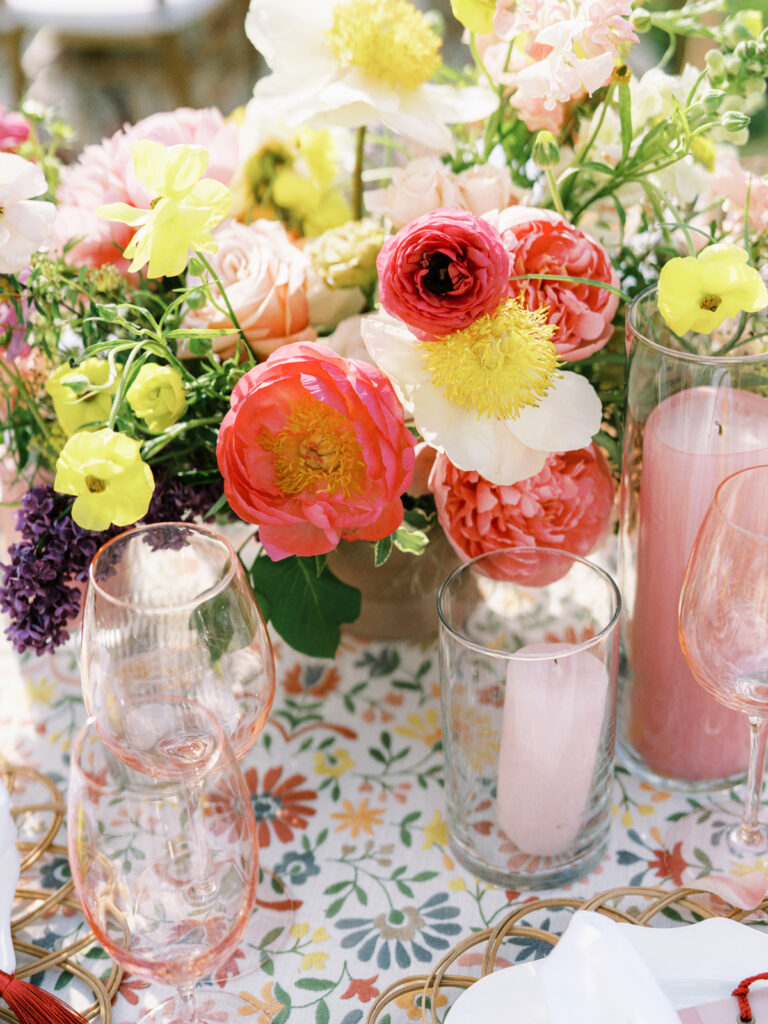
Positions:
{"x": 491, "y": 396}
{"x": 359, "y": 62}
{"x": 25, "y": 222}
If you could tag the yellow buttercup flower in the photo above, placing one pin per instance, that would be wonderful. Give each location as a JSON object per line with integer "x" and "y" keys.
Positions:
{"x": 157, "y": 396}
{"x": 697, "y": 293}
{"x": 86, "y": 403}
{"x": 476, "y": 15}
{"x": 184, "y": 209}
{"x": 106, "y": 474}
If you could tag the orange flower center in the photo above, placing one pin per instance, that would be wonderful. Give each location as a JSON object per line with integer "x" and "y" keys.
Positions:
{"x": 316, "y": 451}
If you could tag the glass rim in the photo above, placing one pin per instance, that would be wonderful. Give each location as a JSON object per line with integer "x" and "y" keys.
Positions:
{"x": 721, "y": 487}
{"x": 692, "y": 357}
{"x": 582, "y": 645}
{"x": 186, "y": 605}
{"x": 221, "y": 756}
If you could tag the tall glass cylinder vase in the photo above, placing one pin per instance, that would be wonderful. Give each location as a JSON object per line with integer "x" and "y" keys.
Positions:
{"x": 697, "y": 411}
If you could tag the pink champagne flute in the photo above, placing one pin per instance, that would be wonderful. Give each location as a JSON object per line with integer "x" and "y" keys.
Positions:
{"x": 723, "y": 622}
{"x": 164, "y": 854}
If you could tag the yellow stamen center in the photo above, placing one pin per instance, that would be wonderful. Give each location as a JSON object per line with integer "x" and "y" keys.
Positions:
{"x": 498, "y": 365}
{"x": 389, "y": 40}
{"x": 95, "y": 485}
{"x": 710, "y": 302}
{"x": 316, "y": 450}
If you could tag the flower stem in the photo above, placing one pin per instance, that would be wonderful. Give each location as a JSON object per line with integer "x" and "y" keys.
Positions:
{"x": 357, "y": 176}
{"x": 223, "y": 292}
{"x": 556, "y": 199}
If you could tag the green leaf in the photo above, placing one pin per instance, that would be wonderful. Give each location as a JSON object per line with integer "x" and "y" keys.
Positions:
{"x": 322, "y": 1013}
{"x": 306, "y": 610}
{"x": 382, "y": 550}
{"x": 199, "y": 346}
{"x": 625, "y": 117}
{"x": 216, "y": 622}
{"x": 315, "y": 984}
{"x": 63, "y": 980}
{"x": 412, "y": 541}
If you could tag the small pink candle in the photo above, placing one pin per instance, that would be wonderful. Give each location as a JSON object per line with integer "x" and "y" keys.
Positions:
{"x": 554, "y": 708}
{"x": 692, "y": 441}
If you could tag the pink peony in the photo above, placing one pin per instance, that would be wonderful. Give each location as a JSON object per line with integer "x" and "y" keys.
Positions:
{"x": 542, "y": 242}
{"x": 14, "y": 129}
{"x": 315, "y": 450}
{"x": 567, "y": 506}
{"x": 264, "y": 275}
{"x": 442, "y": 271}
{"x": 104, "y": 175}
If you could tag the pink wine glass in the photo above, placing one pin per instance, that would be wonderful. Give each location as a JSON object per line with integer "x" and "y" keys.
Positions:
{"x": 723, "y": 622}
{"x": 164, "y": 854}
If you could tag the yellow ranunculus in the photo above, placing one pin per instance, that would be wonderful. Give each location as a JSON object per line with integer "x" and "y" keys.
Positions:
{"x": 696, "y": 293}
{"x": 184, "y": 209}
{"x": 157, "y": 396}
{"x": 109, "y": 479}
{"x": 476, "y": 15}
{"x": 75, "y": 409}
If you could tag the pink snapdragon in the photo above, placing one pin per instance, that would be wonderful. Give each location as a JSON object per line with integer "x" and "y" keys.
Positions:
{"x": 571, "y": 46}
{"x": 314, "y": 449}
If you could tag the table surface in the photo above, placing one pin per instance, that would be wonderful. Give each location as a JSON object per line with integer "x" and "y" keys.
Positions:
{"x": 347, "y": 787}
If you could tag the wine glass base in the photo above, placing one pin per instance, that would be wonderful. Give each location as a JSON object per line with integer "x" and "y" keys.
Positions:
{"x": 211, "y": 1007}
{"x": 746, "y": 845}
{"x": 267, "y": 932}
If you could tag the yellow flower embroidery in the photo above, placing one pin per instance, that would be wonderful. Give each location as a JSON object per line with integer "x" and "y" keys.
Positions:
{"x": 435, "y": 832}
{"x": 426, "y": 729}
{"x": 360, "y": 819}
{"x": 334, "y": 763}
{"x": 313, "y": 961}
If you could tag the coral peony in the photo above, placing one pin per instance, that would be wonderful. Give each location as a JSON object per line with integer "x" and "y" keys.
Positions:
{"x": 265, "y": 277}
{"x": 443, "y": 271}
{"x": 104, "y": 175}
{"x": 567, "y": 505}
{"x": 542, "y": 242}
{"x": 315, "y": 450}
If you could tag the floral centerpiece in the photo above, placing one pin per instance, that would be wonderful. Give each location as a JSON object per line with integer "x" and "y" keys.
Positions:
{"x": 380, "y": 300}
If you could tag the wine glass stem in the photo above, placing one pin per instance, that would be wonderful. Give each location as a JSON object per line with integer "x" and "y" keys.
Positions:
{"x": 187, "y": 1004}
{"x": 758, "y": 734}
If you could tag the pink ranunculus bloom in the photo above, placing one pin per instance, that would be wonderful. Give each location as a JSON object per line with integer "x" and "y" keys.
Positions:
{"x": 314, "y": 449}
{"x": 567, "y": 505}
{"x": 264, "y": 275}
{"x": 104, "y": 175}
{"x": 442, "y": 271}
{"x": 14, "y": 129}
{"x": 542, "y": 242}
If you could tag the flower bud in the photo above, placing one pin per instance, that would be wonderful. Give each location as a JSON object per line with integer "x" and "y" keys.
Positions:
{"x": 716, "y": 65}
{"x": 734, "y": 121}
{"x": 711, "y": 99}
{"x": 641, "y": 20}
{"x": 546, "y": 152}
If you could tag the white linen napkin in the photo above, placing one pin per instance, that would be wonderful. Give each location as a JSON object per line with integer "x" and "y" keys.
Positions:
{"x": 9, "y": 877}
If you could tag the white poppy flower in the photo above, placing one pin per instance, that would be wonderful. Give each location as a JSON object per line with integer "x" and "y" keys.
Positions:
{"x": 358, "y": 62}
{"x": 25, "y": 223}
{"x": 491, "y": 396}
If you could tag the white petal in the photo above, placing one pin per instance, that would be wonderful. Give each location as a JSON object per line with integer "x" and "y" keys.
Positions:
{"x": 459, "y": 106}
{"x": 393, "y": 348}
{"x": 415, "y": 120}
{"x": 19, "y": 179}
{"x": 287, "y": 33}
{"x": 566, "y": 419}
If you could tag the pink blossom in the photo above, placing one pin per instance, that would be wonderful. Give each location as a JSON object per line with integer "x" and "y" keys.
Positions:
{"x": 567, "y": 505}
{"x": 734, "y": 183}
{"x": 571, "y": 46}
{"x": 264, "y": 275}
{"x": 12, "y": 329}
{"x": 542, "y": 242}
{"x": 314, "y": 449}
{"x": 442, "y": 271}
{"x": 14, "y": 129}
{"x": 104, "y": 175}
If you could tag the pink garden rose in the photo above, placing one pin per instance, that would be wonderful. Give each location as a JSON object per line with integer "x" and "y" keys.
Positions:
{"x": 265, "y": 278}
{"x": 14, "y": 129}
{"x": 424, "y": 184}
{"x": 442, "y": 271}
{"x": 567, "y": 505}
{"x": 104, "y": 175}
{"x": 542, "y": 242}
{"x": 314, "y": 450}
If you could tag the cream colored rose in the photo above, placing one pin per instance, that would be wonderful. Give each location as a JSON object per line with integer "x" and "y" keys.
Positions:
{"x": 485, "y": 187}
{"x": 264, "y": 275}
{"x": 423, "y": 185}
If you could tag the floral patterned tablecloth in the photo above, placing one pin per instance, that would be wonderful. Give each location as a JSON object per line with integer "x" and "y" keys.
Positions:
{"x": 346, "y": 783}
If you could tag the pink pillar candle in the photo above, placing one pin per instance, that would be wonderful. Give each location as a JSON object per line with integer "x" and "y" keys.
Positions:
{"x": 554, "y": 709}
{"x": 692, "y": 441}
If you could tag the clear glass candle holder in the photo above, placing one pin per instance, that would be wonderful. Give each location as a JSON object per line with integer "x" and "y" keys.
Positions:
{"x": 528, "y": 662}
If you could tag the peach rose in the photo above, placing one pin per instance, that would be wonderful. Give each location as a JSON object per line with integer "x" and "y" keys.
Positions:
{"x": 486, "y": 187}
{"x": 567, "y": 505}
{"x": 264, "y": 275}
{"x": 314, "y": 450}
{"x": 422, "y": 185}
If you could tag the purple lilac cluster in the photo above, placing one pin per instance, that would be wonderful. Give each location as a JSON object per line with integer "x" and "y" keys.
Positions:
{"x": 41, "y": 586}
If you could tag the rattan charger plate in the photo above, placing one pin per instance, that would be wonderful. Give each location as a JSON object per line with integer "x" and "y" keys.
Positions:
{"x": 38, "y": 810}
{"x": 633, "y": 905}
